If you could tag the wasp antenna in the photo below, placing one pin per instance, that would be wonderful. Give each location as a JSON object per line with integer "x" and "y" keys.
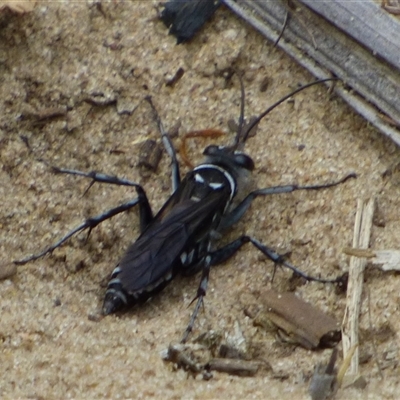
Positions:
{"x": 269, "y": 109}
{"x": 241, "y": 116}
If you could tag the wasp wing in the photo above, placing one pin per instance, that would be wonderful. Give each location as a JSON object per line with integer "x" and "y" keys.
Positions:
{"x": 186, "y": 218}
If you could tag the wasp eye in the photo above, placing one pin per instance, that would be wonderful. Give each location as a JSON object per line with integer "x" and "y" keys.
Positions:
{"x": 244, "y": 161}
{"x": 211, "y": 150}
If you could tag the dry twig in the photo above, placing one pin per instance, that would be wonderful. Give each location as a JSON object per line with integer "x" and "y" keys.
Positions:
{"x": 362, "y": 233}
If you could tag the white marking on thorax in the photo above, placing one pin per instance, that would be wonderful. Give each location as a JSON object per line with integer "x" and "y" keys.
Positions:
{"x": 217, "y": 185}
{"x": 198, "y": 178}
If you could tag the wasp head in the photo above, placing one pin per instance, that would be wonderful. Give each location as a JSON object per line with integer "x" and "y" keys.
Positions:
{"x": 225, "y": 157}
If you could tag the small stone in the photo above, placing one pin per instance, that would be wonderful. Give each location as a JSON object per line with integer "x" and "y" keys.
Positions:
{"x": 7, "y": 270}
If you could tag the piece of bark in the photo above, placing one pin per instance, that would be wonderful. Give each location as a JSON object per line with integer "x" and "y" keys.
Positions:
{"x": 302, "y": 322}
{"x": 234, "y": 366}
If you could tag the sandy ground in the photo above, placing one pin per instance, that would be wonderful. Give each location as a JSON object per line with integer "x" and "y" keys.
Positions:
{"x": 61, "y": 55}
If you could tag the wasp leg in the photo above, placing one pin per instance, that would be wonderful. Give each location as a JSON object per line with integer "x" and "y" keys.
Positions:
{"x": 278, "y": 259}
{"x": 225, "y": 253}
{"x": 145, "y": 213}
{"x": 90, "y": 223}
{"x": 176, "y": 177}
{"x": 201, "y": 292}
{"x": 237, "y": 213}
{"x": 230, "y": 249}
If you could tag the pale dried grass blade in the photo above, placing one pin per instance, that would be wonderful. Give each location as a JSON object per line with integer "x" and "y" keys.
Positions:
{"x": 388, "y": 260}
{"x": 361, "y": 238}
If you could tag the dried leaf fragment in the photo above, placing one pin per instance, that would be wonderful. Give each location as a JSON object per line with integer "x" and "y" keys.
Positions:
{"x": 185, "y": 18}
{"x": 300, "y": 321}
{"x": 17, "y": 6}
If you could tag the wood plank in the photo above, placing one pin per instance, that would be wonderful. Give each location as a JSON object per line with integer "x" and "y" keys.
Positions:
{"x": 372, "y": 84}
{"x": 366, "y": 22}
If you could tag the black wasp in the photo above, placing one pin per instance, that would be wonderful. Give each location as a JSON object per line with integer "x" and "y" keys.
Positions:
{"x": 182, "y": 236}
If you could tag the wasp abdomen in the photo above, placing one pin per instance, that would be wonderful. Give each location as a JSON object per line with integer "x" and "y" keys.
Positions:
{"x": 118, "y": 296}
